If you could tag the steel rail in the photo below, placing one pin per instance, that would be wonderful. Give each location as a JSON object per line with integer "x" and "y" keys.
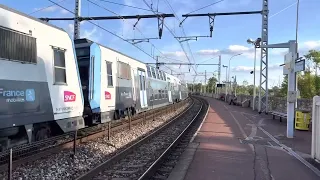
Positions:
{"x": 117, "y": 126}
{"x": 154, "y": 166}
{"x": 93, "y": 172}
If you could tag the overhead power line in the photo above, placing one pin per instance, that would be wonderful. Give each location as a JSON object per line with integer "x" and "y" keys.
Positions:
{"x": 182, "y": 30}
{"x": 41, "y": 9}
{"x": 134, "y": 25}
{"x": 120, "y": 4}
{"x": 172, "y": 33}
{"x": 206, "y": 6}
{"x": 105, "y": 30}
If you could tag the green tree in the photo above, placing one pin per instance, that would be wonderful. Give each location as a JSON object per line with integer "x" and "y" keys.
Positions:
{"x": 306, "y": 85}
{"x": 211, "y": 84}
{"x": 314, "y": 57}
{"x": 284, "y": 86}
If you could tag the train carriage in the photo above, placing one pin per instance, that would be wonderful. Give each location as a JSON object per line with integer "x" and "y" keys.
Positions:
{"x": 157, "y": 87}
{"x": 184, "y": 90}
{"x": 50, "y": 85}
{"x": 39, "y": 85}
{"x": 115, "y": 83}
{"x": 174, "y": 86}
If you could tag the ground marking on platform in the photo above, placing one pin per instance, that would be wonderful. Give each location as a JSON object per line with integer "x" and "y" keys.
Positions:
{"x": 205, "y": 117}
{"x": 291, "y": 152}
{"x": 288, "y": 149}
{"x": 244, "y": 134}
{"x": 253, "y": 131}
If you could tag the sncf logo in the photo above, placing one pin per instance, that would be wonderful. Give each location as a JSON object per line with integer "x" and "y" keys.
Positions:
{"x": 69, "y": 96}
{"x": 107, "y": 95}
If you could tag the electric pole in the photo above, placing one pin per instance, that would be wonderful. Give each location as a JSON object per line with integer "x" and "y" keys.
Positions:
{"x": 205, "y": 81}
{"x": 77, "y": 14}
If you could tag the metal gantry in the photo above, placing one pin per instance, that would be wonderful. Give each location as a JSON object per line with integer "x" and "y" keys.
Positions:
{"x": 263, "y": 85}
{"x": 78, "y": 18}
{"x": 77, "y": 12}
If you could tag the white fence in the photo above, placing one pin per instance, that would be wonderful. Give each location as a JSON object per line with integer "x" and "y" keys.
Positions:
{"x": 315, "y": 148}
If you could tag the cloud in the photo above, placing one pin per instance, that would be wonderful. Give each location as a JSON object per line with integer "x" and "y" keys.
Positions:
{"x": 229, "y": 4}
{"x": 272, "y": 67}
{"x": 310, "y": 45}
{"x": 231, "y": 50}
{"x": 63, "y": 11}
{"x": 92, "y": 34}
{"x": 49, "y": 9}
{"x": 248, "y": 52}
{"x": 70, "y": 28}
{"x": 175, "y": 54}
{"x": 52, "y": 9}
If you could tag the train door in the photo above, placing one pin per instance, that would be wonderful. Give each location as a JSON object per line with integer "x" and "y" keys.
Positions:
{"x": 143, "y": 92}
{"x": 169, "y": 92}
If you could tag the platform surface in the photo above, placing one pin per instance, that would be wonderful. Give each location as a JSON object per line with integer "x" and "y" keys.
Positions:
{"x": 231, "y": 146}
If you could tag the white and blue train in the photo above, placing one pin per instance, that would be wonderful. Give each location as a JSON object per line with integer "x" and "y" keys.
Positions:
{"x": 50, "y": 84}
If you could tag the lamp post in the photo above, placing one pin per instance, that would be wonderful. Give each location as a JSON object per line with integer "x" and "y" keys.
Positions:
{"x": 226, "y": 82}
{"x": 256, "y": 44}
{"x": 229, "y": 65}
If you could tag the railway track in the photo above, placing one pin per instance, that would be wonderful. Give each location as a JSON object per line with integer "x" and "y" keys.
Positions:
{"x": 143, "y": 159}
{"x": 33, "y": 151}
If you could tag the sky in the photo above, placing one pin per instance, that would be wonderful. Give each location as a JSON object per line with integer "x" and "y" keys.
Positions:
{"x": 230, "y": 33}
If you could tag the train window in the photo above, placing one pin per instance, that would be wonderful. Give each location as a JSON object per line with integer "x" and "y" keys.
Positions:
{"x": 109, "y": 73}
{"x": 124, "y": 70}
{"x": 17, "y": 46}
{"x": 157, "y": 73}
{"x": 153, "y": 73}
{"x": 149, "y": 71}
{"x": 160, "y": 94}
{"x": 59, "y": 66}
{"x": 141, "y": 82}
{"x": 164, "y": 76}
{"x": 161, "y": 76}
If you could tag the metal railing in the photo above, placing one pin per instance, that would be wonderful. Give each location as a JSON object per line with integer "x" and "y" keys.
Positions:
{"x": 315, "y": 147}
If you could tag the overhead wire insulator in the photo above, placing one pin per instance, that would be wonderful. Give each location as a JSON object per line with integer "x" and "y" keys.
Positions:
{"x": 160, "y": 33}
{"x": 211, "y": 22}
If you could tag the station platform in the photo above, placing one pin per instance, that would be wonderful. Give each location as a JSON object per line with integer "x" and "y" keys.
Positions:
{"x": 236, "y": 143}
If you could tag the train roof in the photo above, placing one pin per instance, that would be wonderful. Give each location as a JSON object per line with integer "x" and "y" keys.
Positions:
{"x": 85, "y": 40}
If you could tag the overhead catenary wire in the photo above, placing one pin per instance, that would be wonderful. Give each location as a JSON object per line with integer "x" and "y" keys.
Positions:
{"x": 41, "y": 9}
{"x": 120, "y": 4}
{"x": 104, "y": 30}
{"x": 206, "y": 6}
{"x": 173, "y": 34}
{"x": 131, "y": 24}
{"x": 182, "y": 28}
{"x": 282, "y": 10}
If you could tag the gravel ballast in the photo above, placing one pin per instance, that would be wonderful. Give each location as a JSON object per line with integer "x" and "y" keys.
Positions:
{"x": 90, "y": 154}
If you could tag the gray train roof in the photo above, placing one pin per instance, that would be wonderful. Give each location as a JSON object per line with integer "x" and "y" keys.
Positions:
{"x": 30, "y": 17}
{"x": 88, "y": 41}
{"x": 85, "y": 40}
